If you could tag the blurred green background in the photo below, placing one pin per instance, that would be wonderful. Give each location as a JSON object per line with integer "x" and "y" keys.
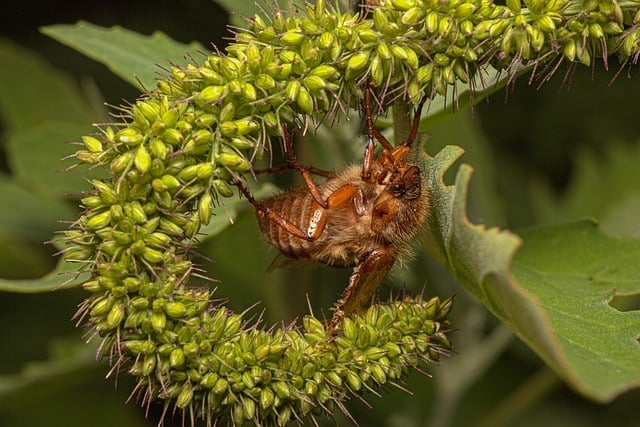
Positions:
{"x": 559, "y": 152}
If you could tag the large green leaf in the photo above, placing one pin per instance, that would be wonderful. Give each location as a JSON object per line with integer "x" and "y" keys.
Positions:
{"x": 603, "y": 185}
{"x": 35, "y": 158}
{"x": 240, "y": 11}
{"x": 136, "y": 58}
{"x": 32, "y": 91}
{"x": 555, "y": 298}
{"x": 64, "y": 276}
{"x": 31, "y": 216}
{"x": 574, "y": 271}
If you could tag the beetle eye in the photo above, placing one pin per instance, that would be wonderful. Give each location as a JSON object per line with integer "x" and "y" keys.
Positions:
{"x": 397, "y": 190}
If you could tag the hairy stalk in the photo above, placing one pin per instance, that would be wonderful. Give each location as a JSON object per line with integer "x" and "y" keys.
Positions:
{"x": 178, "y": 149}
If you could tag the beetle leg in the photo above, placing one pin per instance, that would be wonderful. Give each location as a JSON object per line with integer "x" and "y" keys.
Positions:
{"x": 287, "y": 166}
{"x": 273, "y": 216}
{"x": 416, "y": 122}
{"x": 365, "y": 279}
{"x": 372, "y": 134}
{"x": 304, "y": 171}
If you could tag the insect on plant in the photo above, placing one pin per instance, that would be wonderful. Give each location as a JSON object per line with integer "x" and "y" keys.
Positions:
{"x": 363, "y": 217}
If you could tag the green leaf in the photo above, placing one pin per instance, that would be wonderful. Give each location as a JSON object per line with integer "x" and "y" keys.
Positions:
{"x": 64, "y": 276}
{"x": 604, "y": 185}
{"x": 574, "y": 271}
{"x": 28, "y": 215}
{"x": 35, "y": 158}
{"x": 555, "y": 298}
{"x": 68, "y": 358}
{"x": 239, "y": 11}
{"x": 134, "y": 57}
{"x": 32, "y": 91}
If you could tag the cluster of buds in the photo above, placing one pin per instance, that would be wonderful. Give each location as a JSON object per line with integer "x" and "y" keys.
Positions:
{"x": 182, "y": 146}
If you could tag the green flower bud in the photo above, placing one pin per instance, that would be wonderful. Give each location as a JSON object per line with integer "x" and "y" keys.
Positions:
{"x": 106, "y": 193}
{"x": 157, "y": 240}
{"x": 115, "y": 316}
{"x": 304, "y": 100}
{"x": 122, "y": 162}
{"x": 265, "y": 81}
{"x": 384, "y": 51}
{"x": 314, "y": 83}
{"x": 403, "y": 4}
{"x": 212, "y": 94}
{"x": 569, "y": 49}
{"x": 129, "y": 136}
{"x": 185, "y": 397}
{"x": 233, "y": 161}
{"x": 326, "y": 40}
{"x": 93, "y": 144}
{"x": 222, "y": 188}
{"x": 292, "y": 90}
{"x": 173, "y": 137}
{"x": 292, "y": 38}
{"x": 324, "y": 71}
{"x": 98, "y": 221}
{"x": 249, "y": 92}
{"x": 413, "y": 15}
{"x": 142, "y": 159}
{"x": 102, "y": 306}
{"x": 228, "y": 112}
{"x": 152, "y": 255}
{"x": 358, "y": 60}
{"x": 204, "y": 208}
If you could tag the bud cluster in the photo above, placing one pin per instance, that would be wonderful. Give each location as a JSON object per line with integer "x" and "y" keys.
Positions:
{"x": 181, "y": 146}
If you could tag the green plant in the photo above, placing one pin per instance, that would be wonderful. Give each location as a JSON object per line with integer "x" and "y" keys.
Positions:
{"x": 178, "y": 148}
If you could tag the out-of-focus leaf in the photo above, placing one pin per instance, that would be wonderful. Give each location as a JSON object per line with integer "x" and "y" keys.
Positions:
{"x": 35, "y": 158}
{"x": 31, "y": 216}
{"x": 134, "y": 57}
{"x": 31, "y": 91}
{"x": 555, "y": 298}
{"x": 600, "y": 184}
{"x": 68, "y": 358}
{"x": 64, "y": 276}
{"x": 240, "y": 11}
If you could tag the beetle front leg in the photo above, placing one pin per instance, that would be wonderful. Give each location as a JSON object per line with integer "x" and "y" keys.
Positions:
{"x": 364, "y": 281}
{"x": 304, "y": 171}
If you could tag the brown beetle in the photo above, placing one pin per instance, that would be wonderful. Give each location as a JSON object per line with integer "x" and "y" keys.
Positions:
{"x": 363, "y": 217}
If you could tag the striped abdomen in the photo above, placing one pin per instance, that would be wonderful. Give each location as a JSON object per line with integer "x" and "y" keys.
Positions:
{"x": 296, "y": 207}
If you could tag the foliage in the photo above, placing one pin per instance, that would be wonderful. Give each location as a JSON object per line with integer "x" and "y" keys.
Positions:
{"x": 178, "y": 149}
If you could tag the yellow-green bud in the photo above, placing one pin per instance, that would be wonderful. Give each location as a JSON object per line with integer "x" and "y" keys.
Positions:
{"x": 228, "y": 112}
{"x": 265, "y": 81}
{"x": 403, "y": 4}
{"x": 129, "y": 136}
{"x": 115, "y": 316}
{"x": 384, "y": 52}
{"x": 233, "y": 161}
{"x": 222, "y": 188}
{"x": 212, "y": 94}
{"x": 304, "y": 100}
{"x": 93, "y": 144}
{"x": 175, "y": 309}
{"x": 358, "y": 60}
{"x": 249, "y": 92}
{"x": 413, "y": 15}
{"x": 152, "y": 255}
{"x": 292, "y": 38}
{"x": 102, "y": 306}
{"x": 173, "y": 137}
{"x": 326, "y": 40}
{"x": 431, "y": 22}
{"x": 204, "y": 207}
{"x": 292, "y": 89}
{"x": 98, "y": 221}
{"x": 142, "y": 160}
{"x": 314, "y": 83}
